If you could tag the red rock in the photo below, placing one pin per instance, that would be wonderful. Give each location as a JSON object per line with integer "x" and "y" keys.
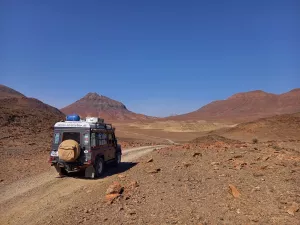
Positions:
{"x": 293, "y": 208}
{"x": 150, "y": 160}
{"x": 197, "y": 154}
{"x": 115, "y": 188}
{"x": 111, "y": 197}
{"x": 234, "y": 191}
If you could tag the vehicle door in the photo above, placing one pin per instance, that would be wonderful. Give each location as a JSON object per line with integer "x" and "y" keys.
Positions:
{"x": 96, "y": 144}
{"x": 111, "y": 145}
{"x": 104, "y": 145}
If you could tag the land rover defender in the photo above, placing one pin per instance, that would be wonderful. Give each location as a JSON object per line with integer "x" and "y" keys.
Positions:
{"x": 86, "y": 145}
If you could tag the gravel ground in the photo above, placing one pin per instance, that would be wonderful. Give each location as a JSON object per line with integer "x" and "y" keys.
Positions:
{"x": 194, "y": 184}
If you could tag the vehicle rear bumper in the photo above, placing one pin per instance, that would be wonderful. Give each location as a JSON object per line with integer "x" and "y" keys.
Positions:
{"x": 69, "y": 167}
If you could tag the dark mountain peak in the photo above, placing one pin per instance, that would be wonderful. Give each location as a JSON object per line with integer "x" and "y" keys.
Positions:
{"x": 100, "y": 100}
{"x": 93, "y": 104}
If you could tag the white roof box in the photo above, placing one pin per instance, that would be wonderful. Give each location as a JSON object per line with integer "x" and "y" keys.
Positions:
{"x": 94, "y": 120}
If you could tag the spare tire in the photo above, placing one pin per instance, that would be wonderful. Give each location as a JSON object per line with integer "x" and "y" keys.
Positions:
{"x": 68, "y": 151}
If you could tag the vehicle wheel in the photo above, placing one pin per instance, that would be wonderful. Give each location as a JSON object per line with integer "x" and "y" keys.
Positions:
{"x": 117, "y": 160}
{"x": 99, "y": 167}
{"x": 63, "y": 172}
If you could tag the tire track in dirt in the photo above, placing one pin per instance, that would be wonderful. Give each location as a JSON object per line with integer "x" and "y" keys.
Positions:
{"x": 28, "y": 201}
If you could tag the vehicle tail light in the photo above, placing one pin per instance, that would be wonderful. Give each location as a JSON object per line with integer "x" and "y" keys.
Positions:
{"x": 88, "y": 155}
{"x": 51, "y": 159}
{"x": 88, "y": 162}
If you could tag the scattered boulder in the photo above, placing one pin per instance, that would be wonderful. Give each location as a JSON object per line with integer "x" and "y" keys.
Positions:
{"x": 111, "y": 197}
{"x": 115, "y": 188}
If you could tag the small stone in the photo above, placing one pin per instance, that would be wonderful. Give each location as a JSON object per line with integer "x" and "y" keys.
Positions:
{"x": 86, "y": 211}
{"x": 293, "y": 208}
{"x": 111, "y": 197}
{"x": 266, "y": 158}
{"x": 115, "y": 188}
{"x": 234, "y": 191}
{"x": 121, "y": 176}
{"x": 132, "y": 213}
{"x": 257, "y": 174}
{"x": 186, "y": 164}
{"x": 238, "y": 156}
{"x": 155, "y": 170}
{"x": 214, "y": 163}
{"x": 197, "y": 154}
{"x": 133, "y": 184}
{"x": 256, "y": 189}
{"x": 150, "y": 160}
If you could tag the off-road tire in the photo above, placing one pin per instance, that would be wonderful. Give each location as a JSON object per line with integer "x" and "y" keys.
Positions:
{"x": 117, "y": 160}
{"x": 63, "y": 172}
{"x": 99, "y": 167}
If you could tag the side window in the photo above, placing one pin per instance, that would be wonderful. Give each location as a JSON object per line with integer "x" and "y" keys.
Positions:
{"x": 56, "y": 138}
{"x": 104, "y": 139}
{"x": 99, "y": 139}
{"x": 93, "y": 140}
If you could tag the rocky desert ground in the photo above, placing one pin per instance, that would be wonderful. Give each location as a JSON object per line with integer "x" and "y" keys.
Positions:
{"x": 174, "y": 171}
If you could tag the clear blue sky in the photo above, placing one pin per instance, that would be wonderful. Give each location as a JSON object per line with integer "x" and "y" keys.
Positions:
{"x": 157, "y": 57}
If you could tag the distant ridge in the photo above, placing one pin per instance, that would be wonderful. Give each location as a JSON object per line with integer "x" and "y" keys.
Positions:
{"x": 246, "y": 106}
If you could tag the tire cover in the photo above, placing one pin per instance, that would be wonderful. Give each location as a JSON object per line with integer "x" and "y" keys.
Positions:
{"x": 68, "y": 151}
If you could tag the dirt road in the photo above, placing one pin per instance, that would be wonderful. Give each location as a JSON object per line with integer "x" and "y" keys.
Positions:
{"x": 32, "y": 200}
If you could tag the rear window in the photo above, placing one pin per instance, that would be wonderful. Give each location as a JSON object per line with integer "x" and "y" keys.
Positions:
{"x": 71, "y": 136}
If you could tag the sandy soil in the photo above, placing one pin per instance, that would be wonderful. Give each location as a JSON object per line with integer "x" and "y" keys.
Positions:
{"x": 35, "y": 199}
{"x": 220, "y": 182}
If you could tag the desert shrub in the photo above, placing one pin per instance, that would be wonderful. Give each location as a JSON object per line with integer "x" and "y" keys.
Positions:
{"x": 254, "y": 140}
